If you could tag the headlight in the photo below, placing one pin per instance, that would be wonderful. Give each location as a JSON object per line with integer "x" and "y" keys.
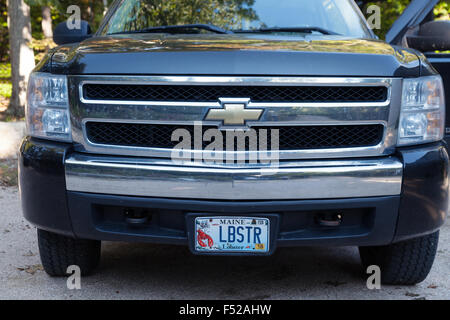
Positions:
{"x": 47, "y": 112}
{"x": 422, "y": 116}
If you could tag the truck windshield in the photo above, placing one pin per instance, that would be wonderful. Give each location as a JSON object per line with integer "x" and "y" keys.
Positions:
{"x": 321, "y": 17}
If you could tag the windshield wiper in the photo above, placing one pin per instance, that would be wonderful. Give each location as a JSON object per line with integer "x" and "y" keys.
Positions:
{"x": 289, "y": 29}
{"x": 178, "y": 28}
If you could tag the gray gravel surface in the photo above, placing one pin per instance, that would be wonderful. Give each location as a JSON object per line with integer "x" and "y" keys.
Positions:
{"x": 144, "y": 271}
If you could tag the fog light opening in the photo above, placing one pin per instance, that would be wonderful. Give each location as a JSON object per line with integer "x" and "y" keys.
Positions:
{"x": 333, "y": 219}
{"x": 136, "y": 217}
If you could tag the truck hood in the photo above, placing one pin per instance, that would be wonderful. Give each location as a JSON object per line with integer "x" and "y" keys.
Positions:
{"x": 158, "y": 54}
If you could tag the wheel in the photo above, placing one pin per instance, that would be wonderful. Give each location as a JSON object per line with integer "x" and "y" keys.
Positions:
{"x": 403, "y": 263}
{"x": 59, "y": 252}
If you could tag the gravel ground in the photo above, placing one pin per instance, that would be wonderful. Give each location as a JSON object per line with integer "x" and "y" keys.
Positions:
{"x": 143, "y": 271}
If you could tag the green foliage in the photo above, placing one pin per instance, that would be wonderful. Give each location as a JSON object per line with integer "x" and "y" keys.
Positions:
{"x": 5, "y": 84}
{"x": 91, "y": 11}
{"x": 392, "y": 9}
{"x": 442, "y": 10}
{"x": 5, "y": 89}
{"x": 4, "y": 37}
{"x": 5, "y": 71}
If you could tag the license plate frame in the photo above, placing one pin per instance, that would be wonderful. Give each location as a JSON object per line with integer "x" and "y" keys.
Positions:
{"x": 272, "y": 228}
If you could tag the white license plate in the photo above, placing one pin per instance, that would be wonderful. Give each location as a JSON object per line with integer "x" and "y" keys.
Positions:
{"x": 232, "y": 234}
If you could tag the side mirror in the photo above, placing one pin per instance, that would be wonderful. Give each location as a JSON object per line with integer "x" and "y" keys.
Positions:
{"x": 64, "y": 35}
{"x": 431, "y": 36}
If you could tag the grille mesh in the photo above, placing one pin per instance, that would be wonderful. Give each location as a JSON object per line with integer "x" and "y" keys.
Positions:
{"x": 290, "y": 137}
{"x": 213, "y": 93}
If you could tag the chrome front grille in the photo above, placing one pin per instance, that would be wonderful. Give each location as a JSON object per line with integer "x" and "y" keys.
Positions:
{"x": 317, "y": 117}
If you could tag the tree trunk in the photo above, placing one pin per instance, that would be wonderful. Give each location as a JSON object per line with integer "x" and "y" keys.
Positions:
{"x": 22, "y": 56}
{"x": 47, "y": 22}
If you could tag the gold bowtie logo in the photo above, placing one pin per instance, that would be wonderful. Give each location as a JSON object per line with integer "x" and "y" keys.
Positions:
{"x": 234, "y": 112}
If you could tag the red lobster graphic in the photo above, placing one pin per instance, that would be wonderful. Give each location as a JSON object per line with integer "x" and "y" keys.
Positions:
{"x": 203, "y": 236}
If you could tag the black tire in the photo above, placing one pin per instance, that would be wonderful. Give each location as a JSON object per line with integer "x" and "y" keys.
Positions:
{"x": 403, "y": 263}
{"x": 59, "y": 252}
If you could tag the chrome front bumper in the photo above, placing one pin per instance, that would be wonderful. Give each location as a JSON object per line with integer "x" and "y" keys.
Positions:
{"x": 290, "y": 180}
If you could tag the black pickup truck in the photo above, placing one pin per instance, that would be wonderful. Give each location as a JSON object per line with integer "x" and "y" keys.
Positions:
{"x": 238, "y": 127}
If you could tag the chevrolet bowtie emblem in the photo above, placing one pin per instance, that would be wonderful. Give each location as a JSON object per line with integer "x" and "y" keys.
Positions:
{"x": 234, "y": 112}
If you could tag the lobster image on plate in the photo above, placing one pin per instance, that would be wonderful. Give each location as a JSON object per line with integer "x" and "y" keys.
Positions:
{"x": 201, "y": 237}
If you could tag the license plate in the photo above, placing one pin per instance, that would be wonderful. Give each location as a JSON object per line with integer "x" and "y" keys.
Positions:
{"x": 232, "y": 234}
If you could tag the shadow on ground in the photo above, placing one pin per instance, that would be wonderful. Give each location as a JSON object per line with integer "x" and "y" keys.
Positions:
{"x": 292, "y": 269}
